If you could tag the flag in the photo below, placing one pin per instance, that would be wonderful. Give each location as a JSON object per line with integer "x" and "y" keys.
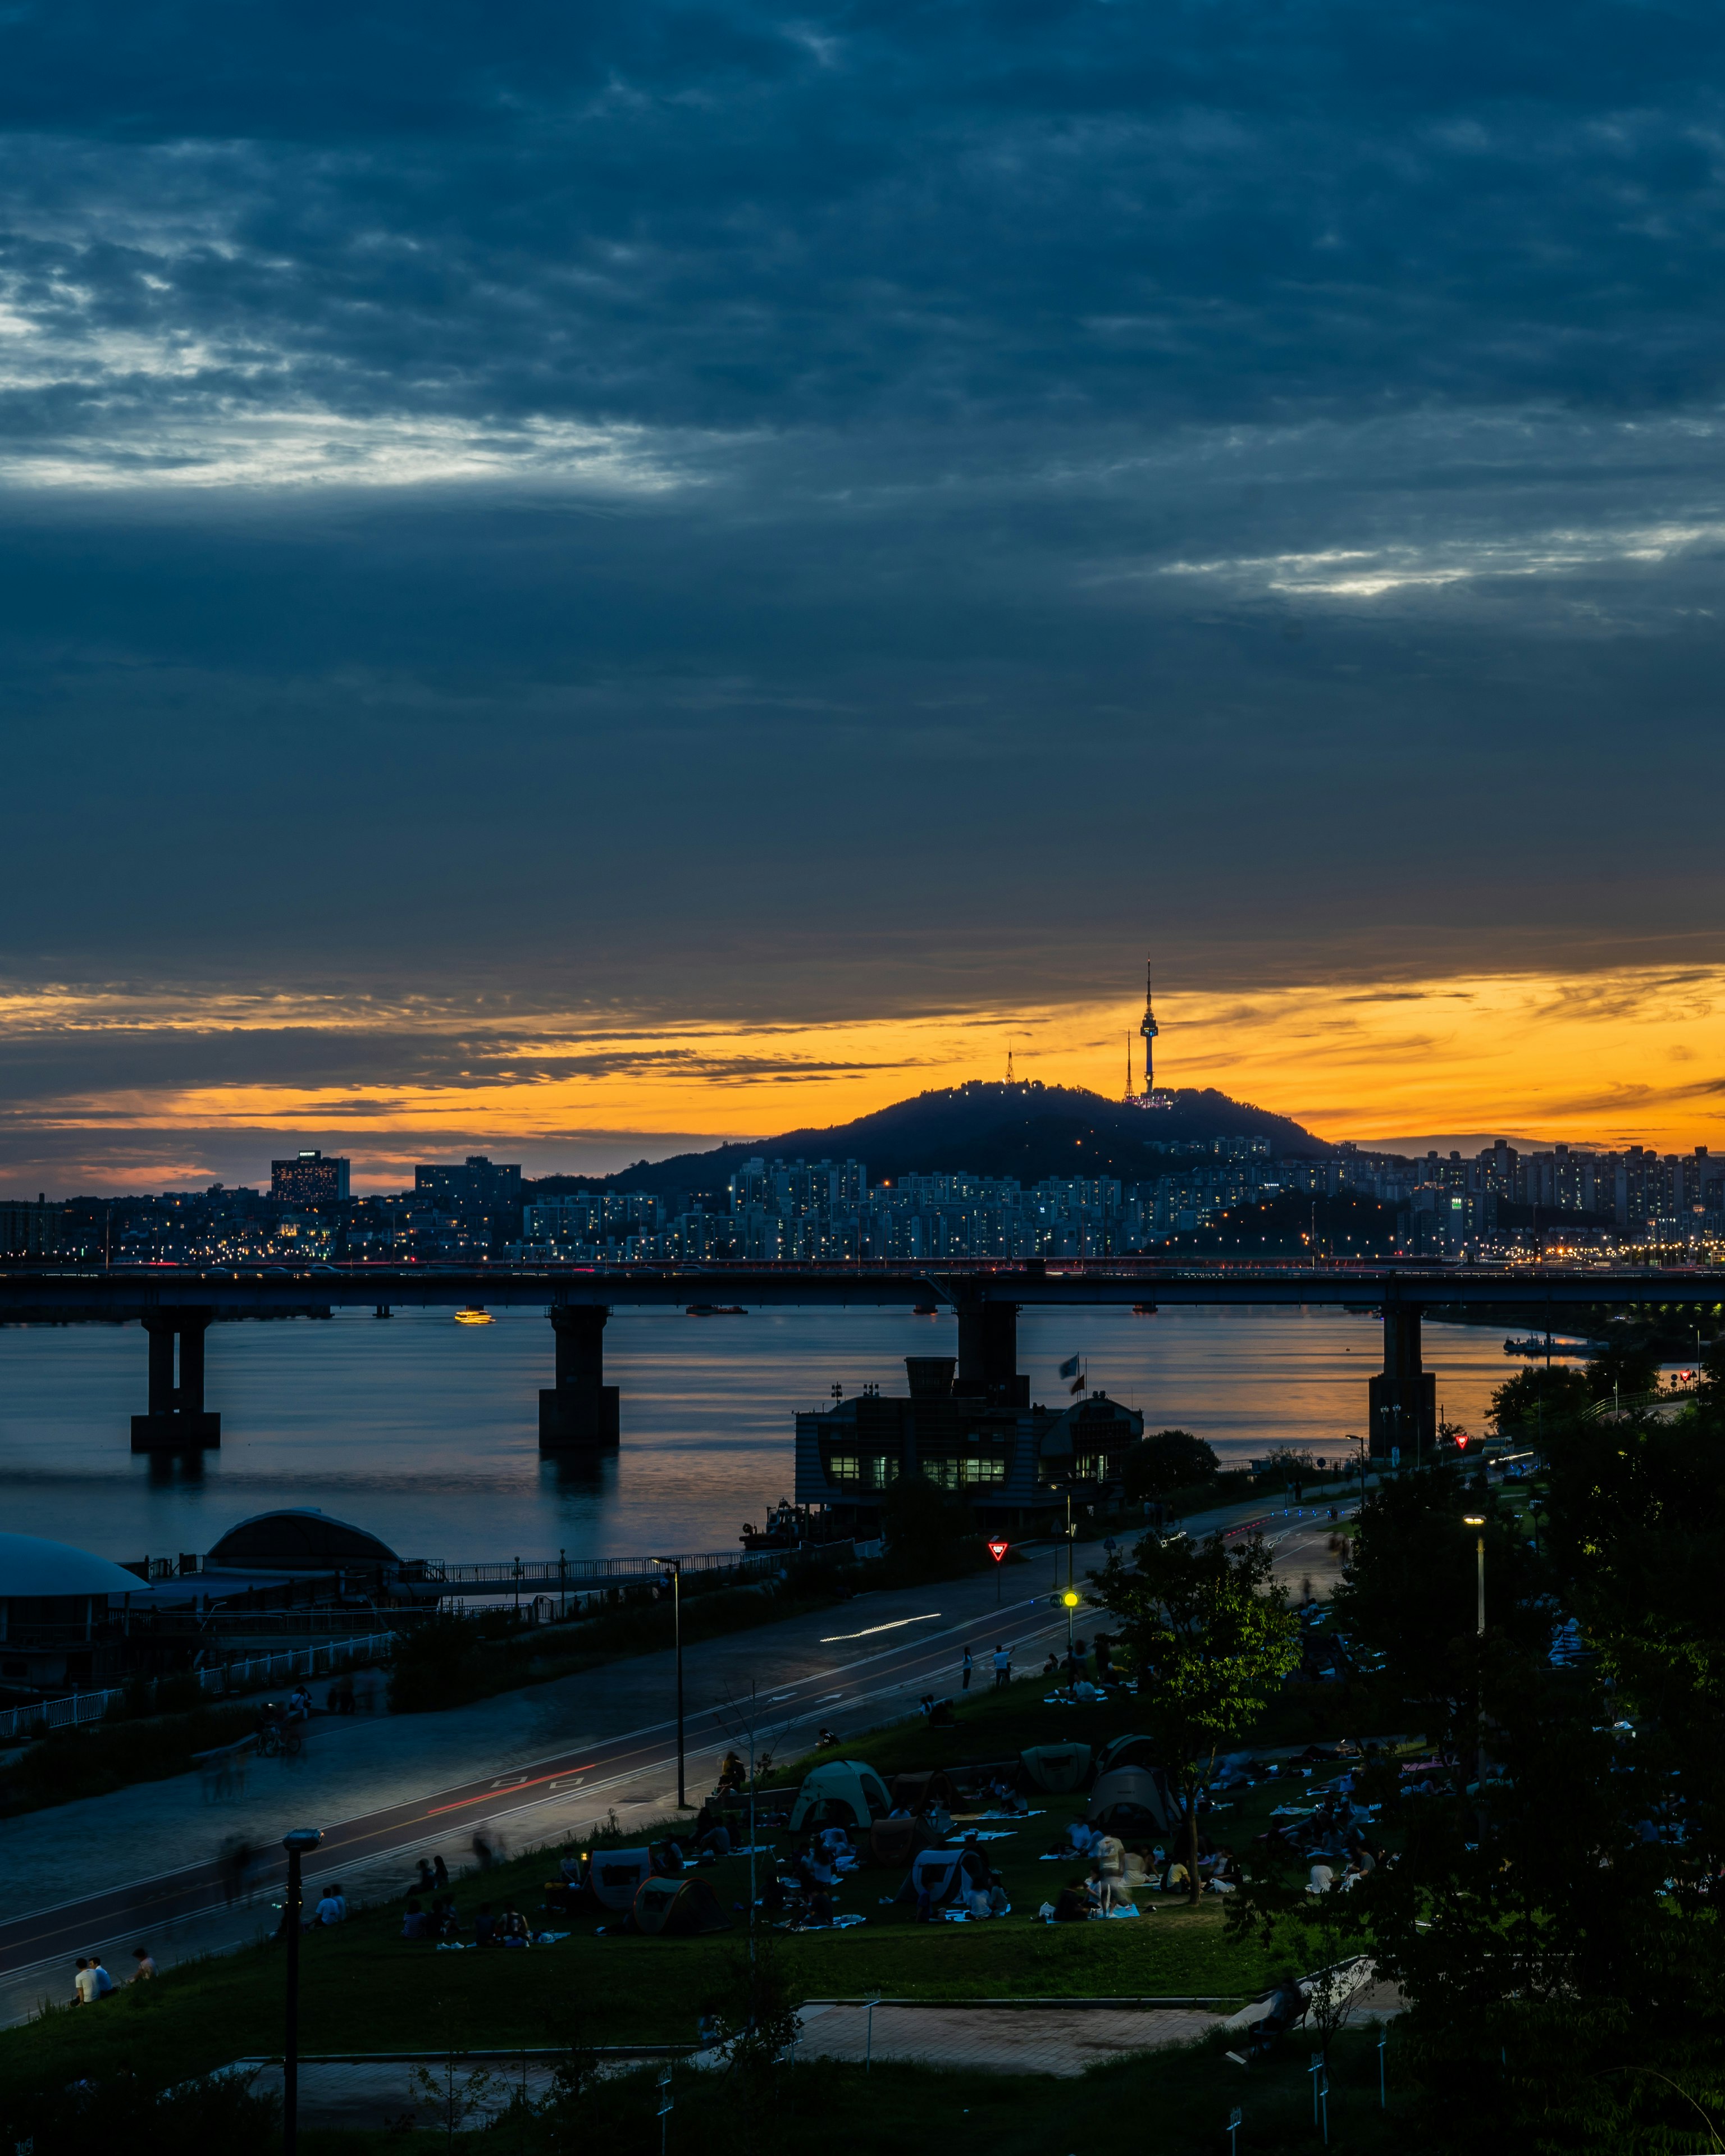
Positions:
{"x": 1069, "y": 1369}
{"x": 1076, "y": 1385}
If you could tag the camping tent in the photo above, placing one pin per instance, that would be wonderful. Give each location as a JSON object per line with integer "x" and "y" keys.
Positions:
{"x": 1129, "y": 1799}
{"x": 1125, "y": 1752}
{"x": 936, "y": 1872}
{"x": 616, "y": 1874}
{"x": 844, "y": 1792}
{"x": 893, "y": 1842}
{"x": 915, "y": 1793}
{"x": 678, "y": 1908}
{"x": 1057, "y": 1768}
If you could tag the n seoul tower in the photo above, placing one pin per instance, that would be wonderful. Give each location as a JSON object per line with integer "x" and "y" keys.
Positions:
{"x": 1150, "y": 1098}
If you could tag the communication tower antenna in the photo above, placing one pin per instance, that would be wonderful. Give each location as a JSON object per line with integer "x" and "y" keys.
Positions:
{"x": 1008, "y": 1058}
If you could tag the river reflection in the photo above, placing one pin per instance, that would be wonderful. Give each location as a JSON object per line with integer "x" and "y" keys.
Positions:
{"x": 426, "y": 1431}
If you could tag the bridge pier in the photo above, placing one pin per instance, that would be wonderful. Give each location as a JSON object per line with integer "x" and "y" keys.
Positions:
{"x": 580, "y": 1411}
{"x": 1402, "y": 1402}
{"x": 177, "y": 1420}
{"x": 988, "y": 1353}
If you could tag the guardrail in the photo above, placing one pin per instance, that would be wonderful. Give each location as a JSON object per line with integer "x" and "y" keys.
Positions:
{"x": 1633, "y": 1402}
{"x": 241, "y": 1675}
{"x": 577, "y": 1575}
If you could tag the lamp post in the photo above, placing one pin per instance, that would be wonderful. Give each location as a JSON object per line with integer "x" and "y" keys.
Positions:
{"x": 673, "y": 1565}
{"x": 298, "y": 1843}
{"x": 1477, "y": 1520}
{"x": 1071, "y": 1599}
{"x": 1361, "y": 1443}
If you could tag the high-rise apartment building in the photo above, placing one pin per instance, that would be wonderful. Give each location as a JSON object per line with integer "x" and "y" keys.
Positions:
{"x": 308, "y": 1179}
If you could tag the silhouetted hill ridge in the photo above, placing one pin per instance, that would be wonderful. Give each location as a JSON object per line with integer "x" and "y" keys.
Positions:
{"x": 1029, "y": 1129}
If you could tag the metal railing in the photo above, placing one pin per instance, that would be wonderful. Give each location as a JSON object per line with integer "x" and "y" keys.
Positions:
{"x": 577, "y": 1574}
{"x": 243, "y": 1674}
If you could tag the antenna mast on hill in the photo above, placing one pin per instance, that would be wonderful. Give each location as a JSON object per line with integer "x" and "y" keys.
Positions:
{"x": 1008, "y": 1058}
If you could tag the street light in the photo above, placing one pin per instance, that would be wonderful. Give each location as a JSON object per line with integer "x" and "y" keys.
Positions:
{"x": 298, "y": 1843}
{"x": 673, "y": 1565}
{"x": 1478, "y": 1520}
{"x": 1361, "y": 1443}
{"x": 1071, "y": 1598}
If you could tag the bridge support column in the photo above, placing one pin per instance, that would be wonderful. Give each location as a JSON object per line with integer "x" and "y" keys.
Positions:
{"x": 580, "y": 1411}
{"x": 1404, "y": 1400}
{"x": 177, "y": 1420}
{"x": 988, "y": 1353}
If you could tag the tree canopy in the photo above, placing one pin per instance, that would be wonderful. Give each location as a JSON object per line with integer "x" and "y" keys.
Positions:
{"x": 1211, "y": 1637}
{"x": 1167, "y": 1461}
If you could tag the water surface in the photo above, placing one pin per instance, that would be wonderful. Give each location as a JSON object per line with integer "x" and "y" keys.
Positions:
{"x": 426, "y": 1432}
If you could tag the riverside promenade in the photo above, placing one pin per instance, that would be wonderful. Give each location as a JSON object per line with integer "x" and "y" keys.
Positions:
{"x": 522, "y": 1769}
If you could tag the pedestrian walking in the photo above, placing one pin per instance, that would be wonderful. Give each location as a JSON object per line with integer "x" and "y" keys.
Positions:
{"x": 1003, "y": 1668}
{"x": 964, "y": 1679}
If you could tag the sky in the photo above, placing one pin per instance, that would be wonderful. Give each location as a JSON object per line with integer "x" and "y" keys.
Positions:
{"x": 575, "y": 582}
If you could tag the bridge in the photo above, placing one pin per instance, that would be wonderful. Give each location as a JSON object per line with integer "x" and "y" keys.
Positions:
{"x": 579, "y": 1411}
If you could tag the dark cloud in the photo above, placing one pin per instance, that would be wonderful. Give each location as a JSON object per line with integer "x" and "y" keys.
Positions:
{"x": 679, "y": 508}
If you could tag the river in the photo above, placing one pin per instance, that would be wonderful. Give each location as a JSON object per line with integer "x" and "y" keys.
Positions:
{"x": 425, "y": 1431}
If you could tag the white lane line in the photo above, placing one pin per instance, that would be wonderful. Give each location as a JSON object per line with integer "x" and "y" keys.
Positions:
{"x": 833, "y": 1638}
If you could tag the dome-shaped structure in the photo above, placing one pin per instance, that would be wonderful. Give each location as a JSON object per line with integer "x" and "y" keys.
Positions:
{"x": 302, "y": 1540}
{"x": 32, "y": 1568}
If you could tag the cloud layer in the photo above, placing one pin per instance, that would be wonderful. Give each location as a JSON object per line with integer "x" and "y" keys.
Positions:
{"x": 690, "y": 514}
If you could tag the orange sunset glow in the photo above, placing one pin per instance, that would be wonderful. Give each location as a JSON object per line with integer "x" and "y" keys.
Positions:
{"x": 1612, "y": 1058}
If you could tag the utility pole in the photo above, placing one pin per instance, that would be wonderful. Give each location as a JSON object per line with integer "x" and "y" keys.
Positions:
{"x": 298, "y": 1843}
{"x": 673, "y": 1565}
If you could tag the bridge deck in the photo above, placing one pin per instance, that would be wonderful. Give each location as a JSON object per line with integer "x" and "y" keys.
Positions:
{"x": 49, "y": 1294}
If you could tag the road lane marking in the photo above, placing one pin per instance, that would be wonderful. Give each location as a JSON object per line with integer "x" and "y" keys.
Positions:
{"x": 832, "y": 1639}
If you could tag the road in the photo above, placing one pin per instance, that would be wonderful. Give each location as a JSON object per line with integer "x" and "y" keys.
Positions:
{"x": 531, "y": 1767}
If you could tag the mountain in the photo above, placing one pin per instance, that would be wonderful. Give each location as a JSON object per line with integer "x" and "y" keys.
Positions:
{"x": 1029, "y": 1131}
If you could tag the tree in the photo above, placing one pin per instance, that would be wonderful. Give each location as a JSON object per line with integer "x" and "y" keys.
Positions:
{"x": 1171, "y": 1459}
{"x": 1410, "y": 1594}
{"x": 1623, "y": 1368}
{"x": 1211, "y": 1638}
{"x": 1540, "y": 1399}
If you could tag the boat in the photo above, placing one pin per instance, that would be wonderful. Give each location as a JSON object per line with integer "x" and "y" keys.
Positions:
{"x": 715, "y": 1310}
{"x": 1533, "y": 1345}
{"x": 925, "y": 1310}
{"x": 1143, "y": 1310}
{"x": 474, "y": 1314}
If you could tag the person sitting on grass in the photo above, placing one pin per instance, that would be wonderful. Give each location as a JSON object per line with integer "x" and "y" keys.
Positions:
{"x": 412, "y": 1923}
{"x": 1005, "y": 1798}
{"x": 713, "y": 1837}
{"x": 1074, "y": 1904}
{"x": 333, "y": 1909}
{"x": 974, "y": 1867}
{"x": 512, "y": 1929}
{"x": 485, "y": 1927}
{"x": 837, "y": 1844}
{"x": 146, "y": 1965}
{"x": 816, "y": 1911}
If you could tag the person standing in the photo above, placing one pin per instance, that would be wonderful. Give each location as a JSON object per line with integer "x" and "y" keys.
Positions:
{"x": 964, "y": 1666}
{"x": 1003, "y": 1668}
